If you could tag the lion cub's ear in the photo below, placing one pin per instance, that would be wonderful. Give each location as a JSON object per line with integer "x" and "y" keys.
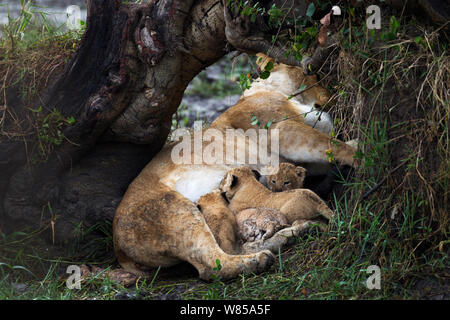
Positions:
{"x": 262, "y": 60}
{"x": 227, "y": 186}
{"x": 228, "y": 183}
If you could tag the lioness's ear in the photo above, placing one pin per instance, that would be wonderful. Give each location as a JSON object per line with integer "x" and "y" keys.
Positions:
{"x": 257, "y": 174}
{"x": 262, "y": 60}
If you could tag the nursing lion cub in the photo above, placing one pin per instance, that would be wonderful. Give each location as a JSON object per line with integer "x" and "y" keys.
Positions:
{"x": 158, "y": 223}
{"x": 231, "y": 230}
{"x": 243, "y": 191}
{"x": 288, "y": 177}
{"x": 220, "y": 220}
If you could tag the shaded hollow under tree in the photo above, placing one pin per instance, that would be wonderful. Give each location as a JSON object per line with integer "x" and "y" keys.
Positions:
{"x": 122, "y": 86}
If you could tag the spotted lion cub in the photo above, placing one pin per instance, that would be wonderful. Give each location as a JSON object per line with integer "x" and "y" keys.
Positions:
{"x": 288, "y": 177}
{"x": 259, "y": 223}
{"x": 248, "y": 225}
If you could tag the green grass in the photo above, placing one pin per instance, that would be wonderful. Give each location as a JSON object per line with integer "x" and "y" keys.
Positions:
{"x": 32, "y": 52}
{"x": 45, "y": 273}
{"x": 212, "y": 89}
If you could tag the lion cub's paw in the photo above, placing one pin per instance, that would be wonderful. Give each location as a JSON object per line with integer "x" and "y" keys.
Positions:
{"x": 288, "y": 177}
{"x": 259, "y": 223}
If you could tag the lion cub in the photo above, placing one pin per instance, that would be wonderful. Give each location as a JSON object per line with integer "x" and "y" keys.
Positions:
{"x": 248, "y": 225}
{"x": 259, "y": 223}
{"x": 219, "y": 219}
{"x": 243, "y": 191}
{"x": 288, "y": 177}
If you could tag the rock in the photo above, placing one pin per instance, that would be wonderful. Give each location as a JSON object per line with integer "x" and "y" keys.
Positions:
{"x": 128, "y": 295}
{"x": 19, "y": 287}
{"x": 432, "y": 289}
{"x": 207, "y": 110}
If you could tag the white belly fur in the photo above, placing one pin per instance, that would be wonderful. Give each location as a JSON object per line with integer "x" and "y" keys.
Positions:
{"x": 194, "y": 182}
{"x": 315, "y": 118}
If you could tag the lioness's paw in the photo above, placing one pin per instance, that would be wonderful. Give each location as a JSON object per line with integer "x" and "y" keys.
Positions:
{"x": 265, "y": 259}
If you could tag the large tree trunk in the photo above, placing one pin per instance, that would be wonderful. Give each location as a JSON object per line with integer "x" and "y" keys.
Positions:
{"x": 122, "y": 87}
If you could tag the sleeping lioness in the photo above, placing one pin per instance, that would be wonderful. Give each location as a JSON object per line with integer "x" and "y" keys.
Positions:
{"x": 158, "y": 224}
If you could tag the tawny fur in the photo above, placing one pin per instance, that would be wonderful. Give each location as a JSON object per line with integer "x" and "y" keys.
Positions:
{"x": 220, "y": 219}
{"x": 288, "y": 177}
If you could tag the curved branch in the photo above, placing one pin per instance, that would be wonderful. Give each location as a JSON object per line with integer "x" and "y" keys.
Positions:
{"x": 251, "y": 38}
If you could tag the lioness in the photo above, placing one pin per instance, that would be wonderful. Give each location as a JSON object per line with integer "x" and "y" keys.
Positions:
{"x": 157, "y": 222}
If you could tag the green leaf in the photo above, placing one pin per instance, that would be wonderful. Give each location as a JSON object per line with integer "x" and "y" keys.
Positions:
{"x": 71, "y": 120}
{"x": 265, "y": 74}
{"x": 395, "y": 24}
{"x": 244, "y": 82}
{"x": 218, "y": 265}
{"x": 311, "y": 9}
{"x": 37, "y": 110}
{"x": 267, "y": 126}
{"x": 312, "y": 31}
{"x": 351, "y": 11}
{"x": 255, "y": 121}
{"x": 269, "y": 66}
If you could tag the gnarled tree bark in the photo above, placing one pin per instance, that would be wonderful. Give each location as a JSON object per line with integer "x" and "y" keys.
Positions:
{"x": 122, "y": 87}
